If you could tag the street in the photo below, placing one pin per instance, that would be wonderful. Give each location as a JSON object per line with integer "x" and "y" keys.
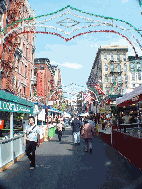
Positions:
{"x": 64, "y": 165}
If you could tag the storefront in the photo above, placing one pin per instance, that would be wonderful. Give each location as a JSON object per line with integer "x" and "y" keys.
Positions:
{"x": 11, "y": 147}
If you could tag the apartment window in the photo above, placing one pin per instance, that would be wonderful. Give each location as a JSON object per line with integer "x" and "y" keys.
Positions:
{"x": 133, "y": 76}
{"x": 138, "y": 66}
{"x": 139, "y": 76}
{"x": 112, "y": 67}
{"x": 112, "y": 79}
{"x": 24, "y": 89}
{"x": 118, "y": 56}
{"x": 119, "y": 67}
{"x": 132, "y": 67}
{"x": 106, "y": 78}
{"x": 111, "y": 56}
{"x": 26, "y": 53}
{"x": 107, "y": 90}
{"x": 25, "y": 70}
{"x": 124, "y": 57}
{"x": 125, "y": 67}
{"x": 105, "y": 56}
{"x": 119, "y": 79}
{"x": 106, "y": 67}
{"x": 126, "y": 77}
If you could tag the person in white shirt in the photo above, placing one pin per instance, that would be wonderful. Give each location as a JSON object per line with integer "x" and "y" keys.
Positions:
{"x": 31, "y": 140}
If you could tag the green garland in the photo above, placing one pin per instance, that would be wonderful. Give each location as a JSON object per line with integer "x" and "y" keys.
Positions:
{"x": 68, "y": 6}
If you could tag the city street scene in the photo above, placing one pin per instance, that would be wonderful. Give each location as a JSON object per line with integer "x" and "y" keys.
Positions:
{"x": 70, "y": 94}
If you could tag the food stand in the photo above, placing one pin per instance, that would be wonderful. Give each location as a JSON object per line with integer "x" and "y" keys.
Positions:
{"x": 129, "y": 143}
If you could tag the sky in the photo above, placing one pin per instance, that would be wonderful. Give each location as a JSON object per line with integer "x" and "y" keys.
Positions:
{"x": 75, "y": 57}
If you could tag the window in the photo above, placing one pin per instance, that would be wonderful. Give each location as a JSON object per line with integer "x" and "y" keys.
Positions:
{"x": 106, "y": 78}
{"x": 112, "y": 67}
{"x": 132, "y": 67}
{"x": 125, "y": 67}
{"x": 106, "y": 90}
{"x": 133, "y": 76}
{"x": 24, "y": 89}
{"x": 105, "y": 56}
{"x": 25, "y": 70}
{"x": 138, "y": 67}
{"x": 118, "y": 56}
{"x": 126, "y": 77}
{"x": 119, "y": 79}
{"x": 111, "y": 56}
{"x": 124, "y": 57}
{"x": 139, "y": 76}
{"x": 26, "y": 53}
{"x": 112, "y": 79}
{"x": 106, "y": 67}
{"x": 119, "y": 67}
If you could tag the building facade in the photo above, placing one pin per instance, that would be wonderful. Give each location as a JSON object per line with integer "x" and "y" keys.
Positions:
{"x": 47, "y": 81}
{"x": 135, "y": 72}
{"x": 111, "y": 70}
{"x": 17, "y": 57}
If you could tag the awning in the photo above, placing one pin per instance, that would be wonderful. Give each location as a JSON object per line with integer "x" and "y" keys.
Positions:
{"x": 130, "y": 98}
{"x": 12, "y": 103}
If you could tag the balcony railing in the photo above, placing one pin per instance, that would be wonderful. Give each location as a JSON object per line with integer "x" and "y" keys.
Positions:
{"x": 3, "y": 6}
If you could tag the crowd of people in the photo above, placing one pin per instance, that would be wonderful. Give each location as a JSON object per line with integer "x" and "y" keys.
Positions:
{"x": 80, "y": 129}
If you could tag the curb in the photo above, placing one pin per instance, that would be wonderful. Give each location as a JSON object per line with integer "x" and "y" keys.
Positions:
{"x": 11, "y": 162}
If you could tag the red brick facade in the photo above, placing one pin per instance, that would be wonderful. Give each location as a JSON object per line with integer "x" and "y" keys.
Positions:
{"x": 17, "y": 57}
{"x": 51, "y": 84}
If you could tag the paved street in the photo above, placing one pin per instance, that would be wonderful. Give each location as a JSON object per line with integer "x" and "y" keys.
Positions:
{"x": 63, "y": 165}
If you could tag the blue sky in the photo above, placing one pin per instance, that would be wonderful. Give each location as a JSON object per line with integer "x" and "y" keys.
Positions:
{"x": 76, "y": 57}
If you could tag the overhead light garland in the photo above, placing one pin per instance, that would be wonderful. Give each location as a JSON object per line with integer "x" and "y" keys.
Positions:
{"x": 82, "y": 17}
{"x": 68, "y": 39}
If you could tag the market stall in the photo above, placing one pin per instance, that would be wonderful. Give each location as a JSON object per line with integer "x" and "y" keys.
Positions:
{"x": 11, "y": 147}
{"x": 128, "y": 141}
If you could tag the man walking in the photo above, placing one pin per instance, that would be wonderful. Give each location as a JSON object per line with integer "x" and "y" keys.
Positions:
{"x": 30, "y": 139}
{"x": 76, "y": 126}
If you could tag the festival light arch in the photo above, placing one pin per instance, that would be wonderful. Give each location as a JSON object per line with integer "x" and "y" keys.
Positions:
{"x": 76, "y": 22}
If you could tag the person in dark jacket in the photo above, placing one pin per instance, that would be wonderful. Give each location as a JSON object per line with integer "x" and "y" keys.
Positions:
{"x": 76, "y": 126}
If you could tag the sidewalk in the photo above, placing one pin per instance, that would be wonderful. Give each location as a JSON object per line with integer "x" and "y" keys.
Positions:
{"x": 63, "y": 165}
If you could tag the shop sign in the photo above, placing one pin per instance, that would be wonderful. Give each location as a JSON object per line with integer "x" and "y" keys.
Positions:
{"x": 13, "y": 107}
{"x": 40, "y": 83}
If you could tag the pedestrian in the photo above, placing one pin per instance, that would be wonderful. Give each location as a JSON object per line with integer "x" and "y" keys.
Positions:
{"x": 91, "y": 121}
{"x": 31, "y": 140}
{"x": 87, "y": 134}
{"x": 59, "y": 128}
{"x": 76, "y": 127}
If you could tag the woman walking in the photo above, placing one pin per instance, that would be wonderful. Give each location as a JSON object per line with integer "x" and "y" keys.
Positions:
{"x": 59, "y": 128}
{"x": 87, "y": 133}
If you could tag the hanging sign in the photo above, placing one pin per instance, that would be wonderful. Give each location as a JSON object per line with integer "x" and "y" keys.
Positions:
{"x": 40, "y": 83}
{"x": 13, "y": 107}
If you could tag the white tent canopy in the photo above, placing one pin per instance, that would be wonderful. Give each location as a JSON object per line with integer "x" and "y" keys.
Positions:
{"x": 66, "y": 115}
{"x": 130, "y": 98}
{"x": 84, "y": 114}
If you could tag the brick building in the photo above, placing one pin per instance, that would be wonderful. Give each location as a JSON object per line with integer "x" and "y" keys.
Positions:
{"x": 47, "y": 80}
{"x": 17, "y": 57}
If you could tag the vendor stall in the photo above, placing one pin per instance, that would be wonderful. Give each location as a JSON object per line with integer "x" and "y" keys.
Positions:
{"x": 127, "y": 139}
{"x": 11, "y": 147}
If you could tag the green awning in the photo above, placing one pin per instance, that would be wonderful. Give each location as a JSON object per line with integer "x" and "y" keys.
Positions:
{"x": 11, "y": 103}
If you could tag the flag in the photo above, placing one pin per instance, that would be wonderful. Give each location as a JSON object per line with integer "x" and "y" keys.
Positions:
{"x": 99, "y": 89}
{"x": 140, "y": 2}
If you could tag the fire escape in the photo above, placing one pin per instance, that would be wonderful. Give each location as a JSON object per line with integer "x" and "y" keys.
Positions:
{"x": 11, "y": 44}
{"x": 115, "y": 77}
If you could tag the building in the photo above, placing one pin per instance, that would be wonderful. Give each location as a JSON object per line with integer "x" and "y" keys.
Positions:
{"x": 135, "y": 72}
{"x": 17, "y": 57}
{"x": 111, "y": 70}
{"x": 47, "y": 81}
